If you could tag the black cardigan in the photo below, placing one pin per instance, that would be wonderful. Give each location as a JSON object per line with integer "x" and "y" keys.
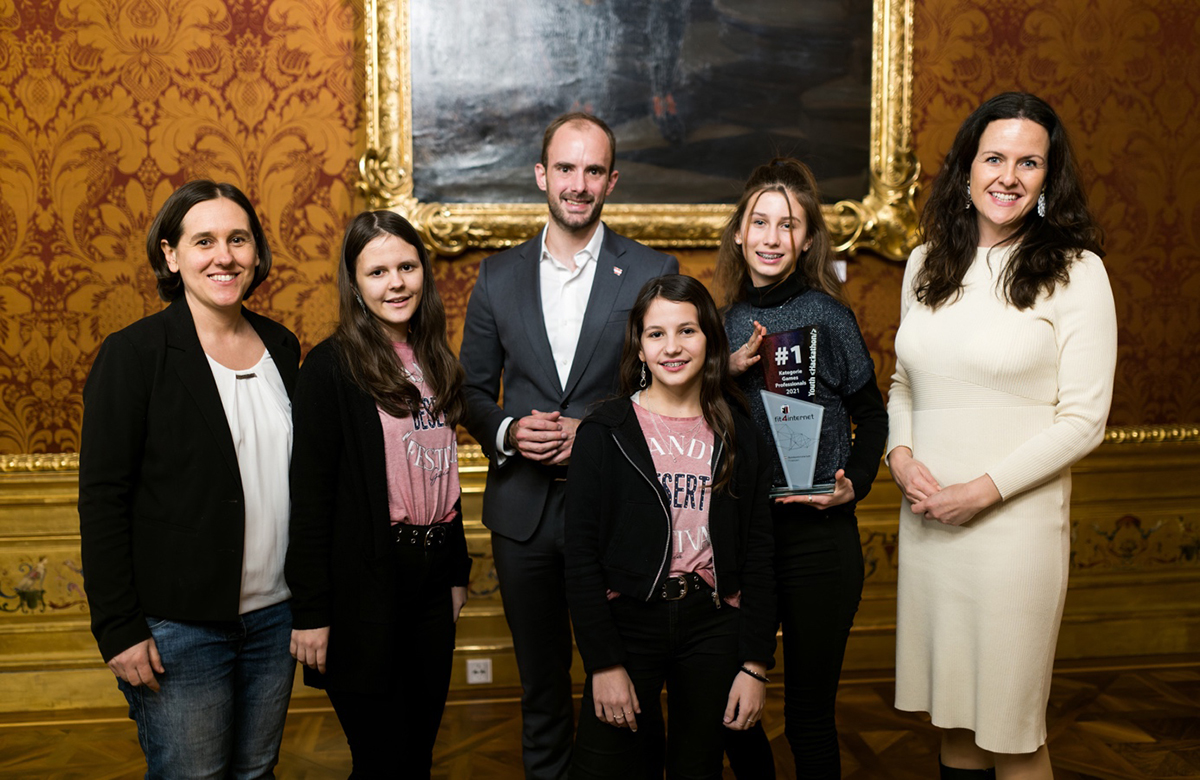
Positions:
{"x": 161, "y": 513}
{"x": 614, "y": 496}
{"x": 339, "y": 561}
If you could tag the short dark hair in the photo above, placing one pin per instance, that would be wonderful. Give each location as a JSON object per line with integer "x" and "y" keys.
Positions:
{"x": 574, "y": 118}
{"x": 168, "y": 226}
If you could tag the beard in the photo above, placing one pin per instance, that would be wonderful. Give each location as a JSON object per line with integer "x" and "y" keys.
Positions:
{"x": 574, "y": 223}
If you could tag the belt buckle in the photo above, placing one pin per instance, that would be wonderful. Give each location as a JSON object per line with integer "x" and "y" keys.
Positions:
{"x": 435, "y": 535}
{"x": 683, "y": 587}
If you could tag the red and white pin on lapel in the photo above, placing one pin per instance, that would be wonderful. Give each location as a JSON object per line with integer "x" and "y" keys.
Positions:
{"x": 618, "y": 271}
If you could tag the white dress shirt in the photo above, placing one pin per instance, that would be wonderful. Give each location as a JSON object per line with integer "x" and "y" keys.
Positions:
{"x": 565, "y": 294}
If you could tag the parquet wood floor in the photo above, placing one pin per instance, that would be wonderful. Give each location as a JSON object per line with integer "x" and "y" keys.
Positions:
{"x": 1136, "y": 720}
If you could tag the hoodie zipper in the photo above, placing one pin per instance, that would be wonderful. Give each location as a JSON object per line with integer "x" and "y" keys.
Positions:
{"x": 716, "y": 596}
{"x": 657, "y": 488}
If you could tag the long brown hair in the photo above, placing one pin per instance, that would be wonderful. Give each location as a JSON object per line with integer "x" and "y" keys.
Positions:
{"x": 1045, "y": 246}
{"x": 366, "y": 350}
{"x": 787, "y": 176}
{"x": 717, "y": 387}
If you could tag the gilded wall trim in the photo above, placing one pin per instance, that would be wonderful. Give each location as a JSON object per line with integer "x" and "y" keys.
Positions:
{"x": 471, "y": 455}
{"x": 1152, "y": 434}
{"x": 26, "y": 463}
{"x": 884, "y": 221}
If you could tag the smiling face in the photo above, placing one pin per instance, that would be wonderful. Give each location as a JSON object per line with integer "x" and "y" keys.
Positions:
{"x": 1007, "y": 175}
{"x": 577, "y": 176}
{"x": 215, "y": 256}
{"x": 390, "y": 279}
{"x": 772, "y": 236}
{"x": 673, "y": 346}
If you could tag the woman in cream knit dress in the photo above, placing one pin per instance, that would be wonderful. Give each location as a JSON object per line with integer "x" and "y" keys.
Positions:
{"x": 1005, "y": 360}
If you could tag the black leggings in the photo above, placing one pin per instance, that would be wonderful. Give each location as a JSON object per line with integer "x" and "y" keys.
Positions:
{"x": 391, "y": 730}
{"x": 819, "y": 577}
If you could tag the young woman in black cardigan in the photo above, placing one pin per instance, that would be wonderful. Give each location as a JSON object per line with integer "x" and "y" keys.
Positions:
{"x": 377, "y": 561}
{"x": 668, "y": 550}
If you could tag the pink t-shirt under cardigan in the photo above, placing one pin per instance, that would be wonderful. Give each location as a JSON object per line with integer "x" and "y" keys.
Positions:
{"x": 422, "y": 457}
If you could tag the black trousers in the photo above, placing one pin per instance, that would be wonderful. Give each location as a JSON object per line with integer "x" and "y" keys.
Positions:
{"x": 690, "y": 646}
{"x": 391, "y": 731}
{"x": 819, "y": 578}
{"x": 531, "y": 575}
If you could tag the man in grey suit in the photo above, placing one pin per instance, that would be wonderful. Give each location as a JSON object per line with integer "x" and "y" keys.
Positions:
{"x": 547, "y": 320}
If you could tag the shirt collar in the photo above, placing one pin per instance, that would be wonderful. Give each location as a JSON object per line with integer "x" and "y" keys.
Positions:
{"x": 589, "y": 252}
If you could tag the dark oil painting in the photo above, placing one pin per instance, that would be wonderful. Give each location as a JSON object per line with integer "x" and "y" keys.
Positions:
{"x": 698, "y": 92}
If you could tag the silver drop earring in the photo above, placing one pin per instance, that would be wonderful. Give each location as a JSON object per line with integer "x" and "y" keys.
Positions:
{"x": 363, "y": 306}
{"x": 968, "y": 206}
{"x": 1042, "y": 205}
{"x": 643, "y": 384}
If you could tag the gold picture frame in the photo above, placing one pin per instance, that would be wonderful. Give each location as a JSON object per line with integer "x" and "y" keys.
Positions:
{"x": 883, "y": 222}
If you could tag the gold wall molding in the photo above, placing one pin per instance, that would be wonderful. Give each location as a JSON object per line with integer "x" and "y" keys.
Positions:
{"x": 884, "y": 221}
{"x": 1152, "y": 434}
{"x": 33, "y": 463}
{"x": 471, "y": 455}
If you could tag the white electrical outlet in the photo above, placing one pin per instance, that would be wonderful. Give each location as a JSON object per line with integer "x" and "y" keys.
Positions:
{"x": 479, "y": 671}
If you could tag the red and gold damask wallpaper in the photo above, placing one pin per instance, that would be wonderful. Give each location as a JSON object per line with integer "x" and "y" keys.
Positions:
{"x": 107, "y": 105}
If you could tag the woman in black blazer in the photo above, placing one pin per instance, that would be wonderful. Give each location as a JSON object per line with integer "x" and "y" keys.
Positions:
{"x": 377, "y": 561}
{"x": 183, "y": 501}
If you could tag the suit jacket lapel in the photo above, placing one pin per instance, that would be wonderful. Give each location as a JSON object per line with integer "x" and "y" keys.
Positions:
{"x": 529, "y": 278}
{"x": 606, "y": 287}
{"x": 187, "y": 357}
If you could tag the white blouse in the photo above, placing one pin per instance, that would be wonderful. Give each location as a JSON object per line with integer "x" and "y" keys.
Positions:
{"x": 259, "y": 413}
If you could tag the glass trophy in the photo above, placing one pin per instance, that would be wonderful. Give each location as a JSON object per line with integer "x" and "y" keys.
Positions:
{"x": 789, "y": 362}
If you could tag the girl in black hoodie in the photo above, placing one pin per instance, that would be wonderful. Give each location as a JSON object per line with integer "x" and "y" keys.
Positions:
{"x": 668, "y": 549}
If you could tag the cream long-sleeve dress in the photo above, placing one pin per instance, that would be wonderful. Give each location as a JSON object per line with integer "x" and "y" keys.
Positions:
{"x": 981, "y": 387}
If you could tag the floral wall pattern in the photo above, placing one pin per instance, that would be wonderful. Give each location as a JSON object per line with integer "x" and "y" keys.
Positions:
{"x": 107, "y": 105}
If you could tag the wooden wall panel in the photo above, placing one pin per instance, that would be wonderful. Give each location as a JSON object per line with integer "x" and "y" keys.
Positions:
{"x": 1135, "y": 574}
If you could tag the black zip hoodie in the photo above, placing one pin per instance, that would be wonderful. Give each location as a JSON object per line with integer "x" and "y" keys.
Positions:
{"x": 618, "y": 533}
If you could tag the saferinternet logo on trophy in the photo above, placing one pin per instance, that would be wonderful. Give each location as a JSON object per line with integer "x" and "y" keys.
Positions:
{"x": 789, "y": 364}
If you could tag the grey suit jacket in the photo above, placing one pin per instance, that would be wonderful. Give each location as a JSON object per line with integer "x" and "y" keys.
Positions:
{"x": 505, "y": 341}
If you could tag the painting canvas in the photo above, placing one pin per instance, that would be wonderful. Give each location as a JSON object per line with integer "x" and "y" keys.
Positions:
{"x": 698, "y": 92}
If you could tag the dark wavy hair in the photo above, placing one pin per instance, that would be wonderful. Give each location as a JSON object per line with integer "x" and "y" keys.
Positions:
{"x": 787, "y": 176}
{"x": 365, "y": 348}
{"x": 717, "y": 387}
{"x": 1045, "y": 246}
{"x": 168, "y": 226}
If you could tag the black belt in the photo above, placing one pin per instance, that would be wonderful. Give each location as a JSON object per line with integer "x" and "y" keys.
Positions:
{"x": 675, "y": 588}
{"x": 422, "y": 536}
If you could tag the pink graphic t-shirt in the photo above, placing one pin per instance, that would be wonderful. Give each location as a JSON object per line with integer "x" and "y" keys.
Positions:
{"x": 422, "y": 457}
{"x": 682, "y": 449}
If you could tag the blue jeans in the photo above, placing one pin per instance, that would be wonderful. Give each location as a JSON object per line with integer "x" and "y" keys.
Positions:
{"x": 223, "y": 697}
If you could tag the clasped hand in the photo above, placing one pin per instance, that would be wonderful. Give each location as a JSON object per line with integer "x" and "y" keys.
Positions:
{"x": 952, "y": 505}
{"x": 546, "y": 437}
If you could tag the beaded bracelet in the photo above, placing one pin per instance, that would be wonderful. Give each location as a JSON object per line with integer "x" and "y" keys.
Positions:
{"x": 755, "y": 675}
